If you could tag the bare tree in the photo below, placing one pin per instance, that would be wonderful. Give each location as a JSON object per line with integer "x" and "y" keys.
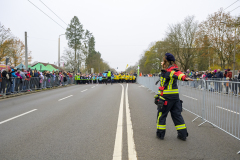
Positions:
{"x": 220, "y": 35}
{"x": 181, "y": 39}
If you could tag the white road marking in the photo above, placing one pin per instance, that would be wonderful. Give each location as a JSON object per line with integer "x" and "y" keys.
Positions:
{"x": 93, "y": 86}
{"x": 117, "y": 153}
{"x": 227, "y": 109}
{"x": 65, "y": 98}
{"x": 132, "y": 154}
{"x": 17, "y": 116}
{"x": 190, "y": 97}
{"x": 84, "y": 90}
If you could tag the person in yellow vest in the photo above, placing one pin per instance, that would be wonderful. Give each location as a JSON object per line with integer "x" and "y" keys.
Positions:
{"x": 123, "y": 77}
{"x": 120, "y": 77}
{"x": 109, "y": 75}
{"x": 76, "y": 79}
{"x": 134, "y": 79}
{"x": 116, "y": 78}
{"x": 131, "y": 78}
{"x": 127, "y": 78}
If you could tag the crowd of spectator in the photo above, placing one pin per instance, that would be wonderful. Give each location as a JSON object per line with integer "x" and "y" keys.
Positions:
{"x": 18, "y": 80}
{"x": 227, "y": 74}
{"x": 216, "y": 77}
{"x": 15, "y": 80}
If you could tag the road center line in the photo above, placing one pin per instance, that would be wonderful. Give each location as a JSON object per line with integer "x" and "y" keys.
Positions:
{"x": 132, "y": 154}
{"x": 65, "y": 98}
{"x": 17, "y": 116}
{"x": 190, "y": 97}
{"x": 84, "y": 90}
{"x": 227, "y": 109}
{"x": 117, "y": 153}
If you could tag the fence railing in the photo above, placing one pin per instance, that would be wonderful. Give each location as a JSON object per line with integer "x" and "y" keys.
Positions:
{"x": 17, "y": 85}
{"x": 215, "y": 102}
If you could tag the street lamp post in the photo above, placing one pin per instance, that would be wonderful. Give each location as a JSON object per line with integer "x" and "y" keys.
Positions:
{"x": 59, "y": 50}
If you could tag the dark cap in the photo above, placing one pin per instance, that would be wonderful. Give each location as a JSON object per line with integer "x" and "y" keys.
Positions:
{"x": 169, "y": 57}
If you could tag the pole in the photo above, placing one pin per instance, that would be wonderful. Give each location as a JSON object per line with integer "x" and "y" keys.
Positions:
{"x": 234, "y": 53}
{"x": 209, "y": 57}
{"x": 26, "y": 52}
{"x": 59, "y": 52}
{"x": 138, "y": 70}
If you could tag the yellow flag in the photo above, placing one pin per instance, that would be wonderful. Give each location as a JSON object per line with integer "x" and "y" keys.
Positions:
{"x": 127, "y": 65}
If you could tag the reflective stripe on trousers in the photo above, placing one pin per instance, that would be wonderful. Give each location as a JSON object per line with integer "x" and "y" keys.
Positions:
{"x": 179, "y": 127}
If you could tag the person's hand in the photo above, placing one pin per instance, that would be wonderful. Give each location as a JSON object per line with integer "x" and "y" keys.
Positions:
{"x": 188, "y": 79}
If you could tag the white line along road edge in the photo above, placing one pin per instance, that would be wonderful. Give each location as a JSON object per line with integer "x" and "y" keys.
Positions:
{"x": 132, "y": 154}
{"x": 84, "y": 90}
{"x": 117, "y": 153}
{"x": 190, "y": 97}
{"x": 65, "y": 97}
{"x": 17, "y": 116}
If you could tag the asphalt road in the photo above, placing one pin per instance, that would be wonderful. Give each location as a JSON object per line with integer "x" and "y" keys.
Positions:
{"x": 89, "y": 122}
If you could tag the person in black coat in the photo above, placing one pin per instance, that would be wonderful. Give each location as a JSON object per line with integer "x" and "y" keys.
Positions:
{"x": 218, "y": 84}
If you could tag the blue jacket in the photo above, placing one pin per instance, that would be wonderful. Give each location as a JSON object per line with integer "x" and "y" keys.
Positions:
{"x": 13, "y": 73}
{"x": 36, "y": 74}
{"x": 219, "y": 75}
{"x": 209, "y": 75}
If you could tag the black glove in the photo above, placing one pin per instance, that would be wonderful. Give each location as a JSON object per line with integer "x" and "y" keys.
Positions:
{"x": 156, "y": 83}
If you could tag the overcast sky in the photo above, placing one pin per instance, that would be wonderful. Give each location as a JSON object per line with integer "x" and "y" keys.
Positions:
{"x": 123, "y": 29}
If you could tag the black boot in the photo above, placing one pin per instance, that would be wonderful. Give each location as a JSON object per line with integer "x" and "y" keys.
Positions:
{"x": 160, "y": 135}
{"x": 181, "y": 137}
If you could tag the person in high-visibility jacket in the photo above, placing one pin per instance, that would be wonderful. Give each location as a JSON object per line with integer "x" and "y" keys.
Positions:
{"x": 131, "y": 78}
{"x": 127, "y": 78}
{"x": 167, "y": 98}
{"x": 109, "y": 77}
{"x": 123, "y": 77}
{"x": 119, "y": 78}
{"x": 134, "y": 79}
{"x": 76, "y": 78}
{"x": 116, "y": 78}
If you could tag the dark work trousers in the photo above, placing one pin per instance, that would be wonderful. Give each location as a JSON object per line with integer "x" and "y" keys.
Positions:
{"x": 17, "y": 84}
{"x": 175, "y": 108}
{"x": 108, "y": 78}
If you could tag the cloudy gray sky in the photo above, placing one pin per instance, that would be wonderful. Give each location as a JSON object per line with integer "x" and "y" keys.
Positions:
{"x": 123, "y": 29}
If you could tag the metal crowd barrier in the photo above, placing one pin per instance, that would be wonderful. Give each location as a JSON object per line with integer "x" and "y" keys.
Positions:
{"x": 17, "y": 85}
{"x": 215, "y": 102}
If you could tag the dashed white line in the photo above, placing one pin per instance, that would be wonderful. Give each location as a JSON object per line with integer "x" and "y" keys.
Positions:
{"x": 84, "y": 90}
{"x": 190, "y": 97}
{"x": 17, "y": 116}
{"x": 117, "y": 153}
{"x": 65, "y": 98}
{"x": 132, "y": 154}
{"x": 227, "y": 109}
{"x": 93, "y": 87}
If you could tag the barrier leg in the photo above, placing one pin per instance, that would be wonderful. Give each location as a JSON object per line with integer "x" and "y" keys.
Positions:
{"x": 196, "y": 118}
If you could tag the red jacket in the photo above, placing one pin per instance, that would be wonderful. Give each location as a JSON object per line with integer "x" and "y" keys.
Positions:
{"x": 229, "y": 74}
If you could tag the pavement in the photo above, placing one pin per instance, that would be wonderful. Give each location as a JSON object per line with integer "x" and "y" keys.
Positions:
{"x": 88, "y": 122}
